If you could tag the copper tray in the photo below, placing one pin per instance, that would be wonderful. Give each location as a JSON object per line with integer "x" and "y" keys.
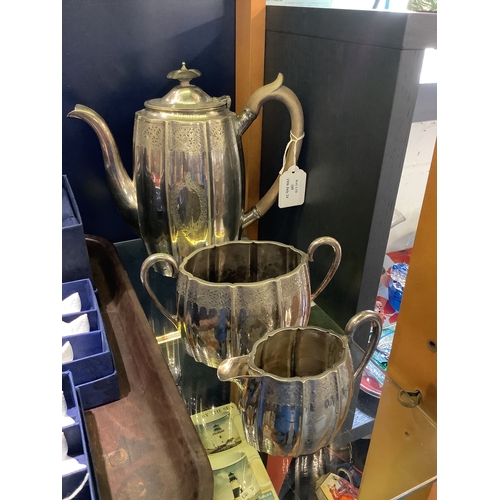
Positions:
{"x": 144, "y": 445}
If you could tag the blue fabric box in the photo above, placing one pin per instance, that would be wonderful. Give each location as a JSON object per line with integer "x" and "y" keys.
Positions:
{"x": 75, "y": 258}
{"x": 92, "y": 369}
{"x": 85, "y": 289}
{"x": 93, "y": 358}
{"x": 76, "y": 438}
{"x": 99, "y": 392}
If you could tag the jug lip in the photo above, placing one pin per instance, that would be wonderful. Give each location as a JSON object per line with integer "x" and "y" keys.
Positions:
{"x": 307, "y": 378}
{"x": 225, "y": 284}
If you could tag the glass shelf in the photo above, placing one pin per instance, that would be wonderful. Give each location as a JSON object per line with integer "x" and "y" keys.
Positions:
{"x": 202, "y": 390}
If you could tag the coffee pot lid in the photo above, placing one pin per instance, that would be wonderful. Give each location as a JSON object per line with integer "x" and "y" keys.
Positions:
{"x": 186, "y": 96}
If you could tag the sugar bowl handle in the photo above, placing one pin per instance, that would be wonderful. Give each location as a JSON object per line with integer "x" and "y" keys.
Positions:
{"x": 325, "y": 240}
{"x": 151, "y": 261}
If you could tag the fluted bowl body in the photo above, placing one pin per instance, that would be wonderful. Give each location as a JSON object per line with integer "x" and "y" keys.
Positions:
{"x": 297, "y": 392}
{"x": 230, "y": 295}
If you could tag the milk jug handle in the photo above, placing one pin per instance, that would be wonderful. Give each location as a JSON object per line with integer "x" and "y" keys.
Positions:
{"x": 276, "y": 91}
{"x": 151, "y": 261}
{"x": 325, "y": 240}
{"x": 354, "y": 323}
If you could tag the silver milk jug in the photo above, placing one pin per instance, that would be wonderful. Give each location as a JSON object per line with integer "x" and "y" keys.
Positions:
{"x": 296, "y": 385}
{"x": 187, "y": 189}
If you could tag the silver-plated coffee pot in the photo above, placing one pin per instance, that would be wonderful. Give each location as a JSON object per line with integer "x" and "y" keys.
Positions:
{"x": 188, "y": 183}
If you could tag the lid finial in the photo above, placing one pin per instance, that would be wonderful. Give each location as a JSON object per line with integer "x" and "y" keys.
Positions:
{"x": 184, "y": 75}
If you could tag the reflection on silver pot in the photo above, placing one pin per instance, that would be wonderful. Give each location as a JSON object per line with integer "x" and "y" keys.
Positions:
{"x": 296, "y": 386}
{"x": 231, "y": 295}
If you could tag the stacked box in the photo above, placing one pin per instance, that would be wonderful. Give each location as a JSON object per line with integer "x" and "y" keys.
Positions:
{"x": 75, "y": 258}
{"x": 81, "y": 482}
{"x": 92, "y": 368}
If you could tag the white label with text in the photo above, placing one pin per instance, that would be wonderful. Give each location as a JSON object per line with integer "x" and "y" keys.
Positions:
{"x": 292, "y": 187}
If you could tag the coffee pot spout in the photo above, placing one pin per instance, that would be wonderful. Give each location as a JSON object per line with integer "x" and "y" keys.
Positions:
{"x": 121, "y": 185}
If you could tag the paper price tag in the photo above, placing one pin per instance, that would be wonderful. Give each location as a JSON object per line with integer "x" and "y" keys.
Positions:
{"x": 292, "y": 188}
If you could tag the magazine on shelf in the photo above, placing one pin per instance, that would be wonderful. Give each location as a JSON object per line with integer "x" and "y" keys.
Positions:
{"x": 239, "y": 472}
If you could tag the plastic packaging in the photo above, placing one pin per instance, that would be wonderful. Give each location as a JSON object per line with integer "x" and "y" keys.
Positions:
{"x": 397, "y": 284}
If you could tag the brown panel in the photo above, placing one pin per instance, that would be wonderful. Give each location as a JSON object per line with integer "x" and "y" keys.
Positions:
{"x": 404, "y": 439}
{"x": 250, "y": 36}
{"x": 402, "y": 453}
{"x": 433, "y": 492}
{"x": 413, "y": 361}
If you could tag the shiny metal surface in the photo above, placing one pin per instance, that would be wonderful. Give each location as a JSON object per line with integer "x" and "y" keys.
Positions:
{"x": 296, "y": 386}
{"x": 230, "y": 295}
{"x": 187, "y": 190}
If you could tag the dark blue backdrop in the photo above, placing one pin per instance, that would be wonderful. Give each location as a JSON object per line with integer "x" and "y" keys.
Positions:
{"x": 116, "y": 55}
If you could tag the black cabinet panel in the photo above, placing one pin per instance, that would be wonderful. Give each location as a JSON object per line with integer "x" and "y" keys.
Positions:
{"x": 356, "y": 74}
